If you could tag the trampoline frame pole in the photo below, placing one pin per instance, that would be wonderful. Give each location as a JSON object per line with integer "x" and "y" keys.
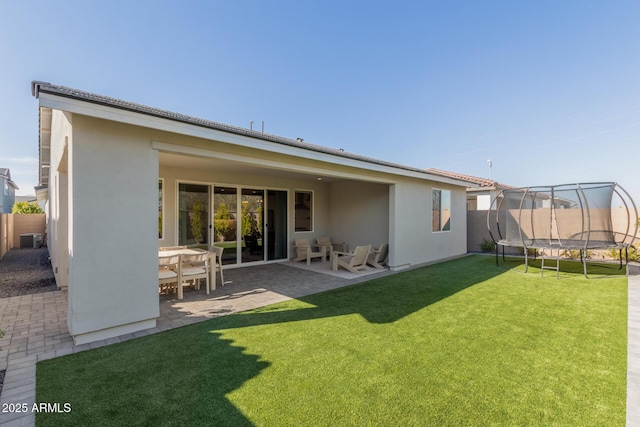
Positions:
{"x": 526, "y": 259}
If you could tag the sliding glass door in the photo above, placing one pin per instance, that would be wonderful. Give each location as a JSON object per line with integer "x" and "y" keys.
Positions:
{"x": 276, "y": 225}
{"x": 193, "y": 215}
{"x": 252, "y": 225}
{"x": 225, "y": 222}
{"x": 249, "y": 223}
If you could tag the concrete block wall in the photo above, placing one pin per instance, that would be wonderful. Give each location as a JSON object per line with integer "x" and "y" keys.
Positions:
{"x": 12, "y": 226}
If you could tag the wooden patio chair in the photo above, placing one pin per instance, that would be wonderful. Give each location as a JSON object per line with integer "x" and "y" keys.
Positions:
{"x": 218, "y": 250}
{"x": 330, "y": 246}
{"x": 195, "y": 267}
{"x": 354, "y": 262}
{"x": 169, "y": 273}
{"x": 304, "y": 251}
{"x": 378, "y": 258}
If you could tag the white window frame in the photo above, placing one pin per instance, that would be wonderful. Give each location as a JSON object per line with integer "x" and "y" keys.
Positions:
{"x": 441, "y": 228}
{"x": 311, "y": 210}
{"x": 162, "y": 205}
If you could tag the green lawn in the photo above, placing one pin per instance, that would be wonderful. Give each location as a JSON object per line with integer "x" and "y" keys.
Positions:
{"x": 458, "y": 343}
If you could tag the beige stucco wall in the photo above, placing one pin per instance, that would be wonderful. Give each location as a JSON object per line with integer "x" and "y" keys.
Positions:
{"x": 58, "y": 209}
{"x": 412, "y": 240}
{"x": 359, "y": 213}
{"x": 112, "y": 228}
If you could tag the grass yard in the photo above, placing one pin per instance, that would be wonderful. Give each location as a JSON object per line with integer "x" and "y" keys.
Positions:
{"x": 458, "y": 343}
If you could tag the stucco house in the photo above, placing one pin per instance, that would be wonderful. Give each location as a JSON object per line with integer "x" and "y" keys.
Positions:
{"x": 7, "y": 191}
{"x": 121, "y": 179}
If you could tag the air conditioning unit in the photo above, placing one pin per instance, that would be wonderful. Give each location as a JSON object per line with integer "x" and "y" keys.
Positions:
{"x": 30, "y": 241}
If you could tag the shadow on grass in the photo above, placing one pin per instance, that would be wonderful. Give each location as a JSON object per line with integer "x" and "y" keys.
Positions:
{"x": 179, "y": 377}
{"x": 382, "y": 300}
{"x": 182, "y": 376}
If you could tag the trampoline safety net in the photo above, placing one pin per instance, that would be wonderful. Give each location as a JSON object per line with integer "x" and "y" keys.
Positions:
{"x": 567, "y": 217}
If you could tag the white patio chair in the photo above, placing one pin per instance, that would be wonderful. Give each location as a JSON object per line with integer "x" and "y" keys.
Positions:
{"x": 169, "y": 273}
{"x": 330, "y": 246}
{"x": 195, "y": 267}
{"x": 218, "y": 250}
{"x": 354, "y": 262}
{"x": 304, "y": 251}
{"x": 378, "y": 258}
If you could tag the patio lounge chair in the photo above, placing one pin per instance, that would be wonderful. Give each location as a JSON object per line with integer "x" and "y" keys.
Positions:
{"x": 354, "y": 262}
{"x": 304, "y": 251}
{"x": 378, "y": 258}
{"x": 329, "y": 245}
{"x": 169, "y": 273}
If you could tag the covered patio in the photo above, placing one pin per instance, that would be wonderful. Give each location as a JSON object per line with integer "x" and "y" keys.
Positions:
{"x": 255, "y": 210}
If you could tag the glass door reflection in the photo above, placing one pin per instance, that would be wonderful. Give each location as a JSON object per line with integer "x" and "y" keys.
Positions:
{"x": 252, "y": 220}
{"x": 276, "y": 226}
{"x": 225, "y": 202}
{"x": 193, "y": 215}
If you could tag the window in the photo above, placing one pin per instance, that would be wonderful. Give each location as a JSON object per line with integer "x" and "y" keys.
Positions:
{"x": 160, "y": 208}
{"x": 441, "y": 210}
{"x": 304, "y": 211}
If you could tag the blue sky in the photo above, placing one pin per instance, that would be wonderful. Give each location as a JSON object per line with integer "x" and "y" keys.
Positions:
{"x": 549, "y": 90}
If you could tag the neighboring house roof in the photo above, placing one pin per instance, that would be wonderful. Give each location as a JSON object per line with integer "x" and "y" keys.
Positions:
{"x": 26, "y": 199}
{"x": 6, "y": 173}
{"x": 38, "y": 87}
{"x": 481, "y": 182}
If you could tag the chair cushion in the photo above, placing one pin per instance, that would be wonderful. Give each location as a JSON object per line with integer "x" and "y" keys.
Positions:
{"x": 166, "y": 274}
{"x": 192, "y": 271}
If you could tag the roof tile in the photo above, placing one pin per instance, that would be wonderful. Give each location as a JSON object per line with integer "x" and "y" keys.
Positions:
{"x": 482, "y": 182}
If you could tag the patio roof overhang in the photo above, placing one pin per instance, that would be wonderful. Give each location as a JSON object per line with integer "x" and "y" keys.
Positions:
{"x": 318, "y": 161}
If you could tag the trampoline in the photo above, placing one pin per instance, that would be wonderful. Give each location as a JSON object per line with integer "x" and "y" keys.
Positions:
{"x": 567, "y": 217}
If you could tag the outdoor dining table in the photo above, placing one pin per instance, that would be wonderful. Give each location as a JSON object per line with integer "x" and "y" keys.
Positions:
{"x": 187, "y": 251}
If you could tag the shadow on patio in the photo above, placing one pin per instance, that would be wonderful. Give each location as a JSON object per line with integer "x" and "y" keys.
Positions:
{"x": 247, "y": 288}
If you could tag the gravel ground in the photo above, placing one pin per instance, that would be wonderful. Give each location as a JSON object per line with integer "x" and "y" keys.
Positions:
{"x": 26, "y": 271}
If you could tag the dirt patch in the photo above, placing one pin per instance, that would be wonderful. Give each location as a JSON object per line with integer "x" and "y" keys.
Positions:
{"x": 26, "y": 271}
